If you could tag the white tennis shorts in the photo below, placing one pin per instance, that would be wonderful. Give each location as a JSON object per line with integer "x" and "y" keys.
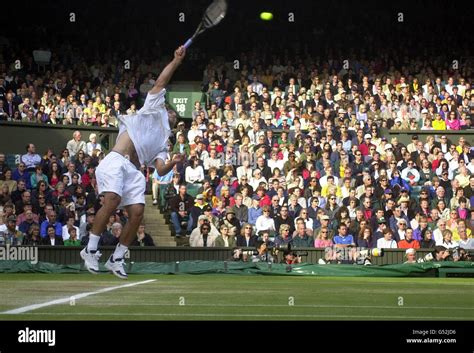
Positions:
{"x": 117, "y": 174}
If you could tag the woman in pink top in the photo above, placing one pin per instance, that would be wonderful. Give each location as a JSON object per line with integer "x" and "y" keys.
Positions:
{"x": 322, "y": 240}
{"x": 452, "y": 122}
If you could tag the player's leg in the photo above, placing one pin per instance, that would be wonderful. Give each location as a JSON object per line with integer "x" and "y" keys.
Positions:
{"x": 89, "y": 254}
{"x": 129, "y": 233}
{"x": 111, "y": 203}
{"x": 110, "y": 175}
{"x": 133, "y": 199}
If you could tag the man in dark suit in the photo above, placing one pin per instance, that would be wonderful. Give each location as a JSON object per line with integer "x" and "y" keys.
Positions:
{"x": 419, "y": 149}
{"x": 51, "y": 237}
{"x": 456, "y": 97}
{"x": 438, "y": 86}
{"x": 10, "y": 107}
{"x": 292, "y": 88}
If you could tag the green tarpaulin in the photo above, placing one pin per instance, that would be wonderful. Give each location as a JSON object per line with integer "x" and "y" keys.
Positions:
{"x": 428, "y": 269}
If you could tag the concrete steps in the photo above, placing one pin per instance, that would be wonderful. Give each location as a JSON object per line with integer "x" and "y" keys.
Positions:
{"x": 156, "y": 225}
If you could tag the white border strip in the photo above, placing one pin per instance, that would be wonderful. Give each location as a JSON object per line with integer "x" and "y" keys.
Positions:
{"x": 68, "y": 299}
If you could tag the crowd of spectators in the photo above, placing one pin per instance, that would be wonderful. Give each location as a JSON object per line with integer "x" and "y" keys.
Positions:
{"x": 299, "y": 155}
{"x": 289, "y": 147}
{"x": 52, "y": 199}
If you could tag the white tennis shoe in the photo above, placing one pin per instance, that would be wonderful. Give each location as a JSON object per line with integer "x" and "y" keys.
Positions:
{"x": 91, "y": 260}
{"x": 117, "y": 267}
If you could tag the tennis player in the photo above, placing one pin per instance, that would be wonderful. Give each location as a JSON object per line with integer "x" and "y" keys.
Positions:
{"x": 142, "y": 140}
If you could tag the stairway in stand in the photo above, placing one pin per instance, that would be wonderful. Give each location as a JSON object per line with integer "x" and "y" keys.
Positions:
{"x": 156, "y": 226}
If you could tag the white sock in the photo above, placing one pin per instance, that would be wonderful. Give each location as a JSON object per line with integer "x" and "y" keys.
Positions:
{"x": 93, "y": 242}
{"x": 120, "y": 251}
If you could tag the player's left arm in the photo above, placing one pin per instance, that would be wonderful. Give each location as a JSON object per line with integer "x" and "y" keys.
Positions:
{"x": 164, "y": 168}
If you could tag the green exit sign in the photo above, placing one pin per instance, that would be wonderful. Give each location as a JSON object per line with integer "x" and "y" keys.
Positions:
{"x": 183, "y": 101}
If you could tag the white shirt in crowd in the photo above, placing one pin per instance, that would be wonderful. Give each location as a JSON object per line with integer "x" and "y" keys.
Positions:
{"x": 386, "y": 244}
{"x": 193, "y": 175}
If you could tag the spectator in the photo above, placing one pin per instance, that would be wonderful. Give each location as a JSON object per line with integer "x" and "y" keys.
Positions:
{"x": 448, "y": 243}
{"x": 70, "y": 220}
{"x": 33, "y": 237}
{"x": 246, "y": 237}
{"x": 241, "y": 211}
{"x": 203, "y": 238}
{"x": 143, "y": 239}
{"x": 343, "y": 239}
{"x": 194, "y": 173}
{"x": 72, "y": 240}
{"x": 410, "y": 255}
{"x": 365, "y": 238}
{"x": 76, "y": 144}
{"x": 387, "y": 241}
{"x": 86, "y": 220}
{"x": 224, "y": 239}
{"x": 265, "y": 222}
{"x": 408, "y": 242}
{"x": 51, "y": 220}
{"x": 37, "y": 177}
{"x": 111, "y": 238}
{"x": 52, "y": 238}
{"x": 180, "y": 207}
{"x": 31, "y": 159}
{"x": 29, "y": 220}
{"x": 8, "y": 181}
{"x": 301, "y": 238}
{"x": 322, "y": 240}
{"x": 11, "y": 236}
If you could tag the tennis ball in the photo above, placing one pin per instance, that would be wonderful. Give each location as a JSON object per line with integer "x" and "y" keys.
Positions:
{"x": 266, "y": 16}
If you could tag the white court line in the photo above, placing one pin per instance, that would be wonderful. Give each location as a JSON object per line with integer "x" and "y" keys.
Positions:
{"x": 287, "y": 306}
{"x": 68, "y": 299}
{"x": 374, "y": 317}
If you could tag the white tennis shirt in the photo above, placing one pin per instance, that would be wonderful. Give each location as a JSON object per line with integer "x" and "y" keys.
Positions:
{"x": 149, "y": 129}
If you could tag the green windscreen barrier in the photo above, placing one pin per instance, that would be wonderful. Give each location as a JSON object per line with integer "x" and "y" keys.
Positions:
{"x": 428, "y": 269}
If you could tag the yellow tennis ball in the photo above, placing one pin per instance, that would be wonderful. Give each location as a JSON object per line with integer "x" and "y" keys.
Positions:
{"x": 266, "y": 16}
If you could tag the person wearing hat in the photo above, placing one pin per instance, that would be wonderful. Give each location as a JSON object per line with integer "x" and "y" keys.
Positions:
{"x": 379, "y": 229}
{"x": 11, "y": 235}
{"x": 398, "y": 124}
{"x": 197, "y": 209}
{"x": 231, "y": 221}
{"x": 364, "y": 147}
{"x": 410, "y": 255}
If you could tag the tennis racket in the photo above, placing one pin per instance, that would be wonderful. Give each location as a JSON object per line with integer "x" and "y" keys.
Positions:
{"x": 212, "y": 16}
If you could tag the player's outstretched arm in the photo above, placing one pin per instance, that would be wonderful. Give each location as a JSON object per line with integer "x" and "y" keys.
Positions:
{"x": 164, "y": 168}
{"x": 168, "y": 71}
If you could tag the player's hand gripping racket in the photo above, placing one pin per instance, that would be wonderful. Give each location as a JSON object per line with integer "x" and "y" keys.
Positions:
{"x": 212, "y": 16}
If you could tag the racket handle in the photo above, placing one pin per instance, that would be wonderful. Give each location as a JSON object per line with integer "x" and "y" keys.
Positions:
{"x": 188, "y": 43}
